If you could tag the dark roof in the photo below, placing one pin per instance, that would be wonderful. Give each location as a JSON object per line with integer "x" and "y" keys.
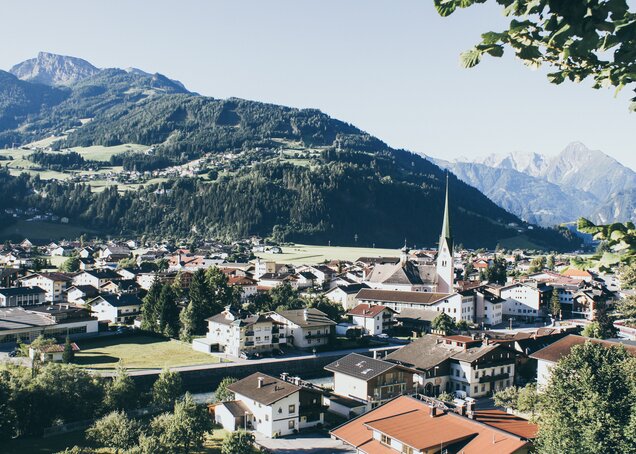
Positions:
{"x": 413, "y": 313}
{"x": 360, "y": 366}
{"x": 104, "y": 274}
{"x": 89, "y": 290}
{"x": 53, "y": 276}
{"x": 562, "y": 347}
{"x": 236, "y": 407}
{"x": 423, "y": 353}
{"x": 271, "y": 390}
{"x": 350, "y": 289}
{"x": 392, "y": 296}
{"x": 119, "y": 300}
{"x": 313, "y": 317}
{"x": 13, "y": 291}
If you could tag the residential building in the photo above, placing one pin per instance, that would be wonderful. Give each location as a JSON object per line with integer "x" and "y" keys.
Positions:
{"x": 521, "y": 301}
{"x": 81, "y": 294}
{"x": 54, "y": 284}
{"x": 462, "y": 364}
{"x": 345, "y": 295}
{"x": 547, "y": 357}
{"x": 96, "y": 278}
{"x": 368, "y": 380}
{"x": 408, "y": 425}
{"x": 51, "y": 353}
{"x": 304, "y": 328}
{"x": 271, "y": 406}
{"x": 374, "y": 319}
{"x": 488, "y": 307}
{"x": 234, "y": 333}
{"x": 113, "y": 308}
{"x": 21, "y": 296}
{"x": 247, "y": 285}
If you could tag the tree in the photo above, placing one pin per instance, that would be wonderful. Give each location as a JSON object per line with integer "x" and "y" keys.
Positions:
{"x": 537, "y": 264}
{"x": 168, "y": 312}
{"x": 8, "y": 417}
{"x": 592, "y": 330}
{"x": 550, "y": 262}
{"x": 201, "y": 304}
{"x": 627, "y": 274}
{"x": 332, "y": 309}
{"x": 238, "y": 442}
{"x": 120, "y": 393}
{"x": 68, "y": 354}
{"x": 577, "y": 38}
{"x": 496, "y": 273}
{"x": 443, "y": 322}
{"x": 115, "y": 431}
{"x": 462, "y": 325}
{"x": 446, "y": 397}
{"x": 528, "y": 399}
{"x": 627, "y": 307}
{"x": 70, "y": 265}
{"x": 507, "y": 397}
{"x": 223, "y": 394}
{"x": 150, "y": 307}
{"x": 587, "y": 406}
{"x": 187, "y": 322}
{"x": 128, "y": 262}
{"x": 167, "y": 389}
{"x": 555, "y": 303}
{"x": 185, "y": 428}
{"x": 285, "y": 297}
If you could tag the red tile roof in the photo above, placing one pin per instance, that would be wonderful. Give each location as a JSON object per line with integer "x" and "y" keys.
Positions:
{"x": 508, "y": 422}
{"x": 557, "y": 350}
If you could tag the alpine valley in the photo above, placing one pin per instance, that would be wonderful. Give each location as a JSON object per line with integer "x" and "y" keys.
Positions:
{"x": 123, "y": 151}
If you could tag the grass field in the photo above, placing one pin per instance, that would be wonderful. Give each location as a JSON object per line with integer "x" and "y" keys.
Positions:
{"x": 138, "y": 352}
{"x": 100, "y": 153}
{"x": 310, "y": 254}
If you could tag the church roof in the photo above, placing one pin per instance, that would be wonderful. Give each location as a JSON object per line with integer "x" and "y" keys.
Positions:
{"x": 403, "y": 274}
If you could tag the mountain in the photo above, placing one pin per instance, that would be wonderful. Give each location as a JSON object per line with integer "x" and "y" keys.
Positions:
{"x": 292, "y": 174}
{"x": 553, "y": 189}
{"x": 52, "y": 69}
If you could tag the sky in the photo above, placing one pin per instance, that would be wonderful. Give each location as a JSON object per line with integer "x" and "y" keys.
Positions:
{"x": 390, "y": 67}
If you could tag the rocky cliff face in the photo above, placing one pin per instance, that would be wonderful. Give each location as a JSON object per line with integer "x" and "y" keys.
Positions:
{"x": 52, "y": 69}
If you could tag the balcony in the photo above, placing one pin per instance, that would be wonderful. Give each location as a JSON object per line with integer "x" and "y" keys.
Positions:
{"x": 275, "y": 330}
{"x": 249, "y": 343}
{"x": 249, "y": 333}
{"x": 496, "y": 377}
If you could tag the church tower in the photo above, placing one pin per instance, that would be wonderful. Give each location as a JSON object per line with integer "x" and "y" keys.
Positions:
{"x": 445, "y": 266}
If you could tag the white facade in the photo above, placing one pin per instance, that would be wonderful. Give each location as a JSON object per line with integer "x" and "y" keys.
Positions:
{"x": 522, "y": 301}
{"x": 54, "y": 288}
{"x": 458, "y": 306}
{"x": 109, "y": 313}
{"x": 278, "y": 419}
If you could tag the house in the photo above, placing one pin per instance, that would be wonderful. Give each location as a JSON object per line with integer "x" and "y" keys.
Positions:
{"x": 62, "y": 251}
{"x": 247, "y": 285}
{"x": 345, "y": 295}
{"x": 488, "y": 307}
{"x": 27, "y": 323}
{"x": 304, "y": 328}
{"x": 547, "y": 357}
{"x": 374, "y": 319}
{"x": 411, "y": 425}
{"x": 462, "y": 364}
{"x": 581, "y": 275}
{"x": 86, "y": 252}
{"x": 113, "y": 253}
{"x": 305, "y": 279}
{"x": 21, "y": 296}
{"x": 235, "y": 333}
{"x": 368, "y": 380}
{"x": 458, "y": 305}
{"x": 116, "y": 308}
{"x": 521, "y": 301}
{"x": 271, "y": 280}
{"x": 403, "y": 276}
{"x": 120, "y": 286}
{"x": 54, "y": 284}
{"x": 81, "y": 294}
{"x": 271, "y": 406}
{"x": 51, "y": 353}
{"x": 96, "y": 278}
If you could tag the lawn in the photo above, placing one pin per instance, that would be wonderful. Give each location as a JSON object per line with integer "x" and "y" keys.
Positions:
{"x": 309, "y": 254}
{"x": 138, "y": 352}
{"x": 100, "y": 153}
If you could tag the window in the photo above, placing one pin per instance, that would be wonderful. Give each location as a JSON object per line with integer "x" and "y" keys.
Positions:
{"x": 385, "y": 440}
{"x": 266, "y": 417}
{"x": 407, "y": 449}
{"x": 476, "y": 388}
{"x": 291, "y": 424}
{"x": 292, "y": 408}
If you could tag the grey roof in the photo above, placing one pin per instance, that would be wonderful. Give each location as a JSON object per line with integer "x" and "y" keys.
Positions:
{"x": 360, "y": 366}
{"x": 417, "y": 314}
{"x": 349, "y": 289}
{"x": 18, "y": 317}
{"x": 119, "y": 300}
{"x": 52, "y": 276}
{"x": 423, "y": 353}
{"x": 236, "y": 407}
{"x": 314, "y": 317}
{"x": 395, "y": 296}
{"x": 271, "y": 390}
{"x": 104, "y": 274}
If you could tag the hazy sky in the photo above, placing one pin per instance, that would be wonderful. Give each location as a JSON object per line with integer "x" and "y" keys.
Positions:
{"x": 390, "y": 67}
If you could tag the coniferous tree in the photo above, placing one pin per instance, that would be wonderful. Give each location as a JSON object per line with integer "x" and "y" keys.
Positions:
{"x": 555, "y": 304}
{"x": 201, "y": 304}
{"x": 150, "y": 307}
{"x": 168, "y": 312}
{"x": 68, "y": 354}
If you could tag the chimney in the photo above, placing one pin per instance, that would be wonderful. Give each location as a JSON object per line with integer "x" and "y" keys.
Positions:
{"x": 470, "y": 408}
{"x": 305, "y": 314}
{"x": 433, "y": 410}
{"x": 260, "y": 382}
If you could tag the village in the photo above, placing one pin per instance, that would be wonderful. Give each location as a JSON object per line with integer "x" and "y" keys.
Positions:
{"x": 374, "y": 354}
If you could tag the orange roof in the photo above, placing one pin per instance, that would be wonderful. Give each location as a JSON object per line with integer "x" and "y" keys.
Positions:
{"x": 367, "y": 310}
{"x": 408, "y": 420}
{"x": 508, "y": 422}
{"x": 573, "y": 272}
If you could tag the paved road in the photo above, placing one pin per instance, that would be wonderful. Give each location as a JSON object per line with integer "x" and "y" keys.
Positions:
{"x": 306, "y": 443}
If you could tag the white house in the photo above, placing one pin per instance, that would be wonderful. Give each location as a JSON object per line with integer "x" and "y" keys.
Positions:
{"x": 345, "y": 295}
{"x": 116, "y": 308}
{"x": 271, "y": 406}
{"x": 96, "y": 278}
{"x": 54, "y": 284}
{"x": 374, "y": 319}
{"x": 21, "y": 296}
{"x": 521, "y": 301}
{"x": 304, "y": 328}
{"x": 51, "y": 353}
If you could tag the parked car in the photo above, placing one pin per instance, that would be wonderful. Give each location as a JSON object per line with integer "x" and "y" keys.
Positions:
{"x": 383, "y": 336}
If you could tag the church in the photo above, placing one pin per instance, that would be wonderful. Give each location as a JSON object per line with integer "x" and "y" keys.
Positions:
{"x": 408, "y": 276}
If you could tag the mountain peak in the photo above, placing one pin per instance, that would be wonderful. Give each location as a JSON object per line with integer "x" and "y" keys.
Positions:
{"x": 53, "y": 69}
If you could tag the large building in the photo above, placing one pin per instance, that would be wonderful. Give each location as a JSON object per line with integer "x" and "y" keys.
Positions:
{"x": 21, "y": 296}
{"x": 304, "y": 328}
{"x": 54, "y": 284}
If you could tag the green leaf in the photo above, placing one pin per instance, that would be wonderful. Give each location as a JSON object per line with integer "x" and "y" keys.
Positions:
{"x": 445, "y": 7}
{"x": 470, "y": 58}
{"x": 491, "y": 37}
{"x": 556, "y": 78}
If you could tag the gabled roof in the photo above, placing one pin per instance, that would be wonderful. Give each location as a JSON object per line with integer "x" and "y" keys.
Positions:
{"x": 368, "y": 310}
{"x": 393, "y": 296}
{"x": 13, "y": 291}
{"x": 360, "y": 366}
{"x": 125, "y": 299}
{"x": 271, "y": 389}
{"x": 557, "y": 350}
{"x": 349, "y": 289}
{"x": 236, "y": 407}
{"x": 307, "y": 318}
{"x": 58, "y": 277}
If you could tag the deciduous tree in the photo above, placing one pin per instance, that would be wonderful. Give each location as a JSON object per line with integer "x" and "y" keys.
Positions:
{"x": 115, "y": 431}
